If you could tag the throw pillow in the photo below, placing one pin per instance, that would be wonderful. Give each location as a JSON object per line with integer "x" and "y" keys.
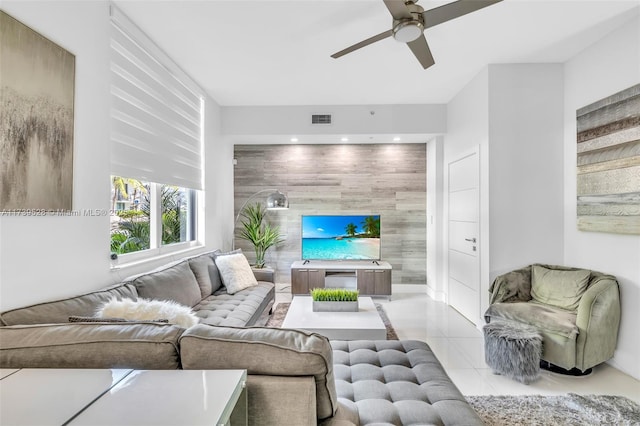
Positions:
{"x": 144, "y": 309}
{"x": 236, "y": 272}
{"x": 563, "y": 289}
{"x": 200, "y": 267}
{"x": 214, "y": 273}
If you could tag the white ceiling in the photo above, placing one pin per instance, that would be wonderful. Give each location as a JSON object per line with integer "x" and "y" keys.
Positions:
{"x": 266, "y": 52}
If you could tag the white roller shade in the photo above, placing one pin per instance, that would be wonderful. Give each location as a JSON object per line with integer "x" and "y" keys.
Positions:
{"x": 156, "y": 111}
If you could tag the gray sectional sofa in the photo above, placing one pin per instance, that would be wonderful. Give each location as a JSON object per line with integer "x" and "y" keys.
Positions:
{"x": 294, "y": 377}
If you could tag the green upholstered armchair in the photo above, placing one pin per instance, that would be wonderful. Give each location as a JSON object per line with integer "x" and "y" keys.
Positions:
{"x": 576, "y": 311}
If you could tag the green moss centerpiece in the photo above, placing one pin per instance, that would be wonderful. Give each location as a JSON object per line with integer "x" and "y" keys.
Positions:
{"x": 334, "y": 300}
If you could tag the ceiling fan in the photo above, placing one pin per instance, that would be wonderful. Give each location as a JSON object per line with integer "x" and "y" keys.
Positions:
{"x": 410, "y": 21}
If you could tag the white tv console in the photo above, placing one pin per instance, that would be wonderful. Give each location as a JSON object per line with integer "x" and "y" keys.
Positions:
{"x": 370, "y": 278}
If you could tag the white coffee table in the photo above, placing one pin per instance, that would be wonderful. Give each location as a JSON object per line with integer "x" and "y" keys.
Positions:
{"x": 365, "y": 324}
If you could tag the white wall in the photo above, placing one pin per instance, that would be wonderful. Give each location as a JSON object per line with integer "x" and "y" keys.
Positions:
{"x": 610, "y": 65}
{"x": 217, "y": 179}
{"x": 47, "y": 257}
{"x": 512, "y": 114}
{"x": 353, "y": 119}
{"x": 468, "y": 131}
{"x": 44, "y": 258}
{"x": 525, "y": 166}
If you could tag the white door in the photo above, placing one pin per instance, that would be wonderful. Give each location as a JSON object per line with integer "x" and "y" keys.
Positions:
{"x": 463, "y": 220}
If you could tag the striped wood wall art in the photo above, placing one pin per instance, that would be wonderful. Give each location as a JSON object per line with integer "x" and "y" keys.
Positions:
{"x": 608, "y": 173}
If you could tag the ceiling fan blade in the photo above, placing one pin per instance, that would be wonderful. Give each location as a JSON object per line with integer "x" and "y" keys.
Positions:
{"x": 420, "y": 48}
{"x": 398, "y": 9}
{"x": 447, "y": 12}
{"x": 363, "y": 43}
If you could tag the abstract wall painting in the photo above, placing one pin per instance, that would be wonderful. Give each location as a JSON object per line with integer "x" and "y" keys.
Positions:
{"x": 609, "y": 164}
{"x": 37, "y": 81}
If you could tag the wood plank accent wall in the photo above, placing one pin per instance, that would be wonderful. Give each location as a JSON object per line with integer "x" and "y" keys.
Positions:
{"x": 385, "y": 179}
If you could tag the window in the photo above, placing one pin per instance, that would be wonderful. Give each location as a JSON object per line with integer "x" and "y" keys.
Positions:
{"x": 134, "y": 226}
{"x": 130, "y": 221}
{"x": 156, "y": 146}
{"x": 178, "y": 214}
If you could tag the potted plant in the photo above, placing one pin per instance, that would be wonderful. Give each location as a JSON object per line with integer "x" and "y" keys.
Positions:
{"x": 334, "y": 300}
{"x": 258, "y": 231}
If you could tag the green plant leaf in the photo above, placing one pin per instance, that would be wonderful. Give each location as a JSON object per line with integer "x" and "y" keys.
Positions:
{"x": 258, "y": 231}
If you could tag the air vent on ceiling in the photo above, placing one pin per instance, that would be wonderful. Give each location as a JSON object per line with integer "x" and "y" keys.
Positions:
{"x": 321, "y": 119}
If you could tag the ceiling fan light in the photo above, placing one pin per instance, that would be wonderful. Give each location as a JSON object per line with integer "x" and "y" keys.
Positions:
{"x": 407, "y": 31}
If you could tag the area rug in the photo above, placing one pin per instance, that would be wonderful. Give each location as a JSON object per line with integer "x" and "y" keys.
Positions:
{"x": 564, "y": 410}
{"x": 280, "y": 311}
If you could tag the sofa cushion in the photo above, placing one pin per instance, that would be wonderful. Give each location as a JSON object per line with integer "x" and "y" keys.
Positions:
{"x": 91, "y": 345}
{"x": 200, "y": 267}
{"x": 264, "y": 351}
{"x": 560, "y": 288}
{"x": 236, "y": 272}
{"x": 240, "y": 309}
{"x": 544, "y": 317}
{"x": 59, "y": 311}
{"x": 396, "y": 382}
{"x": 214, "y": 275}
{"x": 175, "y": 282}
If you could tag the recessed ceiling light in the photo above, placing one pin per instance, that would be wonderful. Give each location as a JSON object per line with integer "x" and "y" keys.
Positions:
{"x": 396, "y": 139}
{"x": 294, "y": 139}
{"x": 345, "y": 139}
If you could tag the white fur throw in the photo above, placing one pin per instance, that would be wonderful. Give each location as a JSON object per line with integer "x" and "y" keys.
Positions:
{"x": 235, "y": 272}
{"x": 145, "y": 309}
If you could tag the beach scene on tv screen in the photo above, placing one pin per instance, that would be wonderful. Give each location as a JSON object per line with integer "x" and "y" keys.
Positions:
{"x": 349, "y": 237}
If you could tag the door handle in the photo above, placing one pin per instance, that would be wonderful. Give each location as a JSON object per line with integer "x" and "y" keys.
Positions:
{"x": 472, "y": 240}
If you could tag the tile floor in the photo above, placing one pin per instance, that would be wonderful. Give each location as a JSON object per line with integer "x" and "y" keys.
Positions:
{"x": 459, "y": 346}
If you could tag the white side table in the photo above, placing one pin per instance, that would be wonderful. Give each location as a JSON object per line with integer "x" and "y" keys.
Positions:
{"x": 51, "y": 396}
{"x": 172, "y": 397}
{"x": 4, "y": 372}
{"x": 122, "y": 397}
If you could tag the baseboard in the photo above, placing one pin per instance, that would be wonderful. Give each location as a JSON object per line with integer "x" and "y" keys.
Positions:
{"x": 409, "y": 288}
{"x": 438, "y": 296}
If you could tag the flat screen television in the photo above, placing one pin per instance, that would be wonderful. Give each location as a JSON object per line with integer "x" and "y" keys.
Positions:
{"x": 341, "y": 237}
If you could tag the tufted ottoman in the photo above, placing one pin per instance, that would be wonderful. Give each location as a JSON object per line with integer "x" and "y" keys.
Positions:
{"x": 396, "y": 383}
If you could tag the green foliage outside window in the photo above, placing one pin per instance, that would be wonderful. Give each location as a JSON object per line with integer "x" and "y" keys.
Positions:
{"x": 132, "y": 232}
